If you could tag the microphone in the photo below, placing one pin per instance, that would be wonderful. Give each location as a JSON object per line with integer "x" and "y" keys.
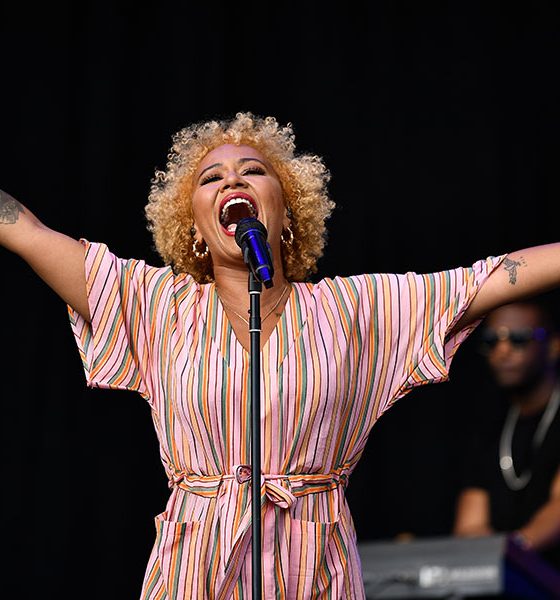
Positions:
{"x": 251, "y": 236}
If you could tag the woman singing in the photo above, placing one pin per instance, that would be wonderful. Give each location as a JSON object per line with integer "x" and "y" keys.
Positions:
{"x": 334, "y": 355}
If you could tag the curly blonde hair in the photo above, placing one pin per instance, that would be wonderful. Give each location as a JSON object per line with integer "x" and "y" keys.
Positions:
{"x": 303, "y": 177}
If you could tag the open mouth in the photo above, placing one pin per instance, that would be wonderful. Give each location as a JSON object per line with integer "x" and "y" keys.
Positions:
{"x": 234, "y": 208}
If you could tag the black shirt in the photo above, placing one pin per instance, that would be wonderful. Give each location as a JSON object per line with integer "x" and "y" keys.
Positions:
{"x": 512, "y": 509}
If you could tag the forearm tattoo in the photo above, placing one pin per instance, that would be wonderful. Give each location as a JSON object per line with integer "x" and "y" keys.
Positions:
{"x": 9, "y": 209}
{"x": 511, "y": 267}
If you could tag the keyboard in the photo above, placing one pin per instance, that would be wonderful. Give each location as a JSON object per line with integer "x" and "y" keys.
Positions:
{"x": 454, "y": 567}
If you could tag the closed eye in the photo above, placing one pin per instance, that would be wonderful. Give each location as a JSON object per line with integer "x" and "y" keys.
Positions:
{"x": 209, "y": 178}
{"x": 254, "y": 171}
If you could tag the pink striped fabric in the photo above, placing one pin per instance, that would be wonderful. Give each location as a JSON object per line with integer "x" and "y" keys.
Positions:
{"x": 341, "y": 354}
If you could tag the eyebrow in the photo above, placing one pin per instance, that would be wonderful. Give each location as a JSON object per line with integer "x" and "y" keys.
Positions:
{"x": 241, "y": 161}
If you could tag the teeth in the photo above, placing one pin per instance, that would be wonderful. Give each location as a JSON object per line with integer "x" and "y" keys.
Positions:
{"x": 232, "y": 202}
{"x": 232, "y": 228}
{"x": 236, "y": 201}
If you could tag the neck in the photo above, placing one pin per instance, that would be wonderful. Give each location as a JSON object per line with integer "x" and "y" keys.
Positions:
{"x": 534, "y": 400}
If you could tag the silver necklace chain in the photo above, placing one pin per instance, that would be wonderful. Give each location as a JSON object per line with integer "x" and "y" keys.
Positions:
{"x": 513, "y": 481}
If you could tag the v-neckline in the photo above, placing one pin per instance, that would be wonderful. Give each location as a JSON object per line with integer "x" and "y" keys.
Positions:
{"x": 223, "y": 317}
{"x": 226, "y": 339}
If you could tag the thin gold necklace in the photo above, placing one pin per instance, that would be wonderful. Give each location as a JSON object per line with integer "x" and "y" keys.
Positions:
{"x": 286, "y": 286}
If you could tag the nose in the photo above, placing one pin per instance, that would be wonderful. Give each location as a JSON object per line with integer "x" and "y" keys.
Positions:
{"x": 233, "y": 180}
{"x": 503, "y": 350}
{"x": 503, "y": 347}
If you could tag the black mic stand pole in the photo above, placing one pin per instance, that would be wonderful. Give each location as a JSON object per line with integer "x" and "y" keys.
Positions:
{"x": 251, "y": 235}
{"x": 255, "y": 288}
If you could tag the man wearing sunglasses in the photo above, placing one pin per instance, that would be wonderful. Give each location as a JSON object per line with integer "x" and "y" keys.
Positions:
{"x": 512, "y": 480}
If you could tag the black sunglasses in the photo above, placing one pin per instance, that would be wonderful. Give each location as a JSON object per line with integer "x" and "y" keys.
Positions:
{"x": 518, "y": 338}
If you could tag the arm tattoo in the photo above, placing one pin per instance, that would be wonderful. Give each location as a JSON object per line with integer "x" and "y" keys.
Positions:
{"x": 9, "y": 209}
{"x": 511, "y": 267}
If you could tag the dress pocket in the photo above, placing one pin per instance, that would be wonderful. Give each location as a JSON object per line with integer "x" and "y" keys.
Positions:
{"x": 308, "y": 573}
{"x": 181, "y": 554}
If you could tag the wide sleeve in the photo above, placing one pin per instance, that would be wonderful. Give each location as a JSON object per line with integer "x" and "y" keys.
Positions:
{"x": 122, "y": 296}
{"x": 433, "y": 304}
{"x": 406, "y": 323}
{"x": 429, "y": 307}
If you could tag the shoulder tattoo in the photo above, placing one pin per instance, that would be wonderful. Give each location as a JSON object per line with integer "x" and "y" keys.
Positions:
{"x": 511, "y": 267}
{"x": 9, "y": 209}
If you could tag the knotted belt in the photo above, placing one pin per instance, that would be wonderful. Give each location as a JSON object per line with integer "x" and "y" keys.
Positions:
{"x": 235, "y": 533}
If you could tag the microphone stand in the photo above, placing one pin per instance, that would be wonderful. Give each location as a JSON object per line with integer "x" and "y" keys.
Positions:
{"x": 250, "y": 236}
{"x": 255, "y": 288}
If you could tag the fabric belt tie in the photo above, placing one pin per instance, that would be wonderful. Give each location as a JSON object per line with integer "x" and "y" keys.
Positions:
{"x": 236, "y": 534}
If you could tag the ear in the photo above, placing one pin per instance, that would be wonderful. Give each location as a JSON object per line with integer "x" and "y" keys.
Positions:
{"x": 287, "y": 221}
{"x": 195, "y": 234}
{"x": 554, "y": 347}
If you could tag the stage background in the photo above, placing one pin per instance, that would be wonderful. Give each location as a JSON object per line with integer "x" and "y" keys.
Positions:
{"x": 440, "y": 124}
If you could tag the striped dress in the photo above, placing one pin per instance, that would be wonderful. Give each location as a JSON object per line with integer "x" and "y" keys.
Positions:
{"x": 342, "y": 352}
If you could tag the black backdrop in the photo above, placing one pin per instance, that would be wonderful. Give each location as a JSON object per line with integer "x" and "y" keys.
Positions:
{"x": 440, "y": 124}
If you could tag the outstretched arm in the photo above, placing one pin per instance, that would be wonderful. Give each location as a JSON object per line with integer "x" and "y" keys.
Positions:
{"x": 522, "y": 274}
{"x": 55, "y": 257}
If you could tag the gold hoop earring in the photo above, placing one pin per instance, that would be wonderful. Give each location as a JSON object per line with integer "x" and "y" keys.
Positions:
{"x": 287, "y": 236}
{"x": 197, "y": 252}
